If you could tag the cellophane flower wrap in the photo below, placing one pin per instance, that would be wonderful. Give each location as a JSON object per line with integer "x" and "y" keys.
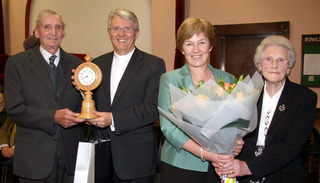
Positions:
{"x": 212, "y": 116}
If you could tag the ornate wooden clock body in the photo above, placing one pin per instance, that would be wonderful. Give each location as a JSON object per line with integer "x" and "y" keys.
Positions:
{"x": 87, "y": 77}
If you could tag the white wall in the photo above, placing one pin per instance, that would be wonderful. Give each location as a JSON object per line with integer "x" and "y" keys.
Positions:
{"x": 87, "y": 22}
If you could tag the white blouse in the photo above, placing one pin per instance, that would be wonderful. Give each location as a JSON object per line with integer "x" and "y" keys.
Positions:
{"x": 268, "y": 108}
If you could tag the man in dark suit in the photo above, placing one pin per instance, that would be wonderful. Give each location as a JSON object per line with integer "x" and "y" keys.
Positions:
{"x": 127, "y": 101}
{"x": 40, "y": 99}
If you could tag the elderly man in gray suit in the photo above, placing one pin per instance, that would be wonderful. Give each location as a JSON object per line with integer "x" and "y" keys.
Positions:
{"x": 43, "y": 103}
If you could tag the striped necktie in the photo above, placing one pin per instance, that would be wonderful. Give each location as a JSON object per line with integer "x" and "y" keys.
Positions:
{"x": 51, "y": 63}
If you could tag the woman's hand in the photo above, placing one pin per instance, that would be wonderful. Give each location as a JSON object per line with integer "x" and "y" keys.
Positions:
{"x": 7, "y": 151}
{"x": 237, "y": 149}
{"x": 232, "y": 169}
{"x": 218, "y": 159}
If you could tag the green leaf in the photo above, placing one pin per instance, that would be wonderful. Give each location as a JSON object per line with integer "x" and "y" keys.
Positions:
{"x": 240, "y": 123}
{"x": 240, "y": 78}
{"x": 200, "y": 83}
{"x": 220, "y": 82}
{"x": 183, "y": 88}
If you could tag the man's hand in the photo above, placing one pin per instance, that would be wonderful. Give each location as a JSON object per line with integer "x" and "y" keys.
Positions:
{"x": 104, "y": 119}
{"x": 66, "y": 118}
{"x": 73, "y": 82}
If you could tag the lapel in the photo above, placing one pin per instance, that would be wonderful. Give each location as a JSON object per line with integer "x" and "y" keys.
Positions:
{"x": 67, "y": 66}
{"x": 285, "y": 100}
{"x": 36, "y": 64}
{"x": 186, "y": 80}
{"x": 133, "y": 67}
{"x": 105, "y": 67}
{"x": 259, "y": 108}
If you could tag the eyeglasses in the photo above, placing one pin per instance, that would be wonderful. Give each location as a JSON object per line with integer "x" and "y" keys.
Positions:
{"x": 280, "y": 61}
{"x": 124, "y": 29}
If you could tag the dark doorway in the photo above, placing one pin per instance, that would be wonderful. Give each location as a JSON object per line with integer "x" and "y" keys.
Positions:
{"x": 235, "y": 45}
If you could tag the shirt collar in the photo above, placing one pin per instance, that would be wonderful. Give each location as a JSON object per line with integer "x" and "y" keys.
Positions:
{"x": 46, "y": 55}
{"x": 124, "y": 57}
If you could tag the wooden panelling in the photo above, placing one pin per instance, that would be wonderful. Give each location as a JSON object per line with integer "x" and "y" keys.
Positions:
{"x": 235, "y": 45}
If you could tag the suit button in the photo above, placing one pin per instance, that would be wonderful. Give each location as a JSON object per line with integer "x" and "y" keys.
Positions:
{"x": 55, "y": 98}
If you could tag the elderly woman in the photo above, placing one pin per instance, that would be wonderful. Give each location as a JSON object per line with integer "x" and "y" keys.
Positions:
{"x": 286, "y": 111}
{"x": 183, "y": 160}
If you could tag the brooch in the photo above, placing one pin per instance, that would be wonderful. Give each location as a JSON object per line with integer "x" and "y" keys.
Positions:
{"x": 282, "y": 107}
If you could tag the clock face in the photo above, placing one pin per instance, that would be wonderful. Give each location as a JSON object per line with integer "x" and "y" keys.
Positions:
{"x": 87, "y": 76}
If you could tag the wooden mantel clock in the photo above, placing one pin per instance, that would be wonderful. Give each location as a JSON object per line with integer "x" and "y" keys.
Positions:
{"x": 87, "y": 77}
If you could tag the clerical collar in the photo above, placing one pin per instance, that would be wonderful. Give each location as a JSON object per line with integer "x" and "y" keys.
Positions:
{"x": 124, "y": 57}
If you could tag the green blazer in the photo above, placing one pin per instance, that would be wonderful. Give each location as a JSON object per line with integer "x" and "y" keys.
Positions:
{"x": 172, "y": 151}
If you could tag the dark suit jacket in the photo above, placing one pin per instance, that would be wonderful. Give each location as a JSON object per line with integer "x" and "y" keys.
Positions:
{"x": 281, "y": 161}
{"x": 31, "y": 102}
{"x": 134, "y": 109}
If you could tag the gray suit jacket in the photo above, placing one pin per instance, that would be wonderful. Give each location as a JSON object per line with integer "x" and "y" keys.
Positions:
{"x": 31, "y": 102}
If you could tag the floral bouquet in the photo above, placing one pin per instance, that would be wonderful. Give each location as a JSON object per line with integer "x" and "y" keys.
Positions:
{"x": 216, "y": 114}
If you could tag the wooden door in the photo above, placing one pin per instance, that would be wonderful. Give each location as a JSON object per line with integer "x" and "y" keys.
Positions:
{"x": 235, "y": 45}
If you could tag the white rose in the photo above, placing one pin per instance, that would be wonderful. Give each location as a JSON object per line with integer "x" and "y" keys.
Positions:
{"x": 202, "y": 100}
{"x": 240, "y": 96}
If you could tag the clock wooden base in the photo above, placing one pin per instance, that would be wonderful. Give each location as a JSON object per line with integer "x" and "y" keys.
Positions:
{"x": 88, "y": 76}
{"x": 88, "y": 105}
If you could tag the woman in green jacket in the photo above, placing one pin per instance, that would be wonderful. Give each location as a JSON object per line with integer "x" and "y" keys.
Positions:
{"x": 182, "y": 159}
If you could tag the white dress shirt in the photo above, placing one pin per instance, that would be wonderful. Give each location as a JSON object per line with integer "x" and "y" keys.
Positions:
{"x": 119, "y": 65}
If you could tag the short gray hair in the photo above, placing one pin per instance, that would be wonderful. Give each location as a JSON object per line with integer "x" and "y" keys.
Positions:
{"x": 125, "y": 14}
{"x": 275, "y": 41}
{"x": 48, "y": 12}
